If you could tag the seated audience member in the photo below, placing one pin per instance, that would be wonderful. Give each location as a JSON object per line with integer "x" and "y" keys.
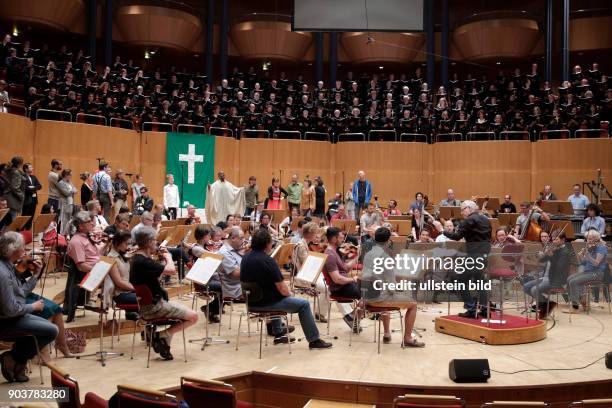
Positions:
{"x": 16, "y": 316}
{"x": 386, "y": 297}
{"x": 593, "y": 220}
{"x": 122, "y": 222}
{"x": 146, "y": 271}
{"x": 84, "y": 254}
{"x": 257, "y": 267}
{"x": 117, "y": 283}
{"x": 579, "y": 201}
{"x": 337, "y": 271}
{"x": 592, "y": 265}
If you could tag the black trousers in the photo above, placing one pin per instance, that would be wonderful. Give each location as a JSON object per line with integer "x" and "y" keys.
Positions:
{"x": 73, "y": 294}
{"x": 172, "y": 211}
{"x": 29, "y": 209}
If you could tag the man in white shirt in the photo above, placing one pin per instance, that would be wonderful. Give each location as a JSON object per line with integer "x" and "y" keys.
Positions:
{"x": 171, "y": 197}
{"x": 448, "y": 227}
{"x": 579, "y": 201}
{"x": 103, "y": 189}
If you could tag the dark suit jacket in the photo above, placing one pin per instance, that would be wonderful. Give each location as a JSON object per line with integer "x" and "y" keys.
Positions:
{"x": 31, "y": 191}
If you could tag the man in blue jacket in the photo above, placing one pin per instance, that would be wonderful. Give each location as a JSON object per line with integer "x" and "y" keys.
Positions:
{"x": 362, "y": 193}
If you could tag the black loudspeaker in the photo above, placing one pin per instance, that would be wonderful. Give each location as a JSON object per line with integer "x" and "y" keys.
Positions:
{"x": 469, "y": 370}
{"x": 609, "y": 360}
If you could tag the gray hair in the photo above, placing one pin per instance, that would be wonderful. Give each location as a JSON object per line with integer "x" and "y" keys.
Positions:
{"x": 143, "y": 235}
{"x": 147, "y": 214}
{"x": 92, "y": 204}
{"x": 10, "y": 242}
{"x": 234, "y": 232}
{"x": 469, "y": 204}
{"x": 82, "y": 217}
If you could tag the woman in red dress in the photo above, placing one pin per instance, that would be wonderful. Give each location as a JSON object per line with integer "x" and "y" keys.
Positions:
{"x": 273, "y": 202}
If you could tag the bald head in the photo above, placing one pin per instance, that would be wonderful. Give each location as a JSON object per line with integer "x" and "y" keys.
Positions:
{"x": 450, "y": 194}
{"x": 361, "y": 175}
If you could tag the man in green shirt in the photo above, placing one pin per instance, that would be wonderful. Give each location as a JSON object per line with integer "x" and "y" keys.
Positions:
{"x": 251, "y": 196}
{"x": 295, "y": 193}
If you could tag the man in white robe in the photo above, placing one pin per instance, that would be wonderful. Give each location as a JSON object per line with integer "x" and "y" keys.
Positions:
{"x": 223, "y": 198}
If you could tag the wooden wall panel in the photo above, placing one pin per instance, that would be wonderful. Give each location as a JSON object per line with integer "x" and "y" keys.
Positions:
{"x": 153, "y": 162}
{"x": 478, "y": 168}
{"x": 562, "y": 163}
{"x": 16, "y": 138}
{"x": 78, "y": 145}
{"x": 396, "y": 170}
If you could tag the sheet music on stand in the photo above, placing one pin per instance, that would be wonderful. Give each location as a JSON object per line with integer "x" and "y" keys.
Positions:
{"x": 557, "y": 207}
{"x": 310, "y": 272}
{"x": 204, "y": 268}
{"x": 95, "y": 277}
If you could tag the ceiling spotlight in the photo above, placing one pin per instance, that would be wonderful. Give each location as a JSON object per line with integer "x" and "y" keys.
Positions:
{"x": 152, "y": 52}
{"x": 266, "y": 65}
{"x": 498, "y": 62}
{"x": 15, "y": 31}
{"x": 381, "y": 67}
{"x": 147, "y": 55}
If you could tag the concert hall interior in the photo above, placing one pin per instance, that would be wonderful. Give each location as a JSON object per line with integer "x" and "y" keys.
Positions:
{"x": 413, "y": 197}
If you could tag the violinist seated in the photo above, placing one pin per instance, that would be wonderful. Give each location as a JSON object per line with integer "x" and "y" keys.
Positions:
{"x": 308, "y": 242}
{"x": 99, "y": 221}
{"x": 592, "y": 262}
{"x": 424, "y": 237}
{"x": 504, "y": 239}
{"x": 593, "y": 220}
{"x": 117, "y": 283}
{"x": 265, "y": 223}
{"x": 85, "y": 254}
{"x": 337, "y": 272}
{"x": 229, "y": 270}
{"x": 370, "y": 220}
{"x": 146, "y": 220}
{"x": 144, "y": 270}
{"x": 285, "y": 225}
{"x": 122, "y": 223}
{"x": 192, "y": 217}
{"x": 392, "y": 209}
{"x": 448, "y": 227}
{"x": 525, "y": 209}
{"x": 16, "y": 316}
{"x": 297, "y": 234}
{"x": 340, "y": 214}
{"x": 201, "y": 247}
{"x": 557, "y": 256}
{"x": 424, "y": 222}
{"x": 385, "y": 297}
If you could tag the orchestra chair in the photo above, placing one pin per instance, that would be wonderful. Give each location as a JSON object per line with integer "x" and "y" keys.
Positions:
{"x": 554, "y": 291}
{"x": 592, "y": 403}
{"x": 117, "y": 308}
{"x": 229, "y": 301}
{"x": 253, "y": 292}
{"x": 129, "y": 396}
{"x": 15, "y": 336}
{"x": 335, "y": 299}
{"x": 588, "y": 287}
{"x": 60, "y": 378}
{"x": 145, "y": 298}
{"x": 376, "y": 310}
{"x": 499, "y": 266}
{"x": 515, "y": 404}
{"x": 427, "y": 401}
{"x": 210, "y": 393}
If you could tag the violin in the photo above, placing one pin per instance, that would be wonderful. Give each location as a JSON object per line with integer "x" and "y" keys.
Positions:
{"x": 316, "y": 246}
{"x": 25, "y": 264}
{"x": 213, "y": 246}
{"x": 349, "y": 250}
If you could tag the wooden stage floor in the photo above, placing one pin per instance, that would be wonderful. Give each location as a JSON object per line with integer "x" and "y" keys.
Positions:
{"x": 567, "y": 346}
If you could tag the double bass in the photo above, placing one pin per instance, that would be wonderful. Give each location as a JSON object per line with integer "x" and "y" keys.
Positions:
{"x": 532, "y": 230}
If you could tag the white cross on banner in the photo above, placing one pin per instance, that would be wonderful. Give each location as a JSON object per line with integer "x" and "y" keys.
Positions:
{"x": 191, "y": 158}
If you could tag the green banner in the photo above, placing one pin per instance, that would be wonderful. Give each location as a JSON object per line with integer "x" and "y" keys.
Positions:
{"x": 190, "y": 159}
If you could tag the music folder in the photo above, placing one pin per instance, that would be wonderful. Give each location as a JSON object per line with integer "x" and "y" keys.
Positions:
{"x": 311, "y": 268}
{"x": 95, "y": 277}
{"x": 204, "y": 268}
